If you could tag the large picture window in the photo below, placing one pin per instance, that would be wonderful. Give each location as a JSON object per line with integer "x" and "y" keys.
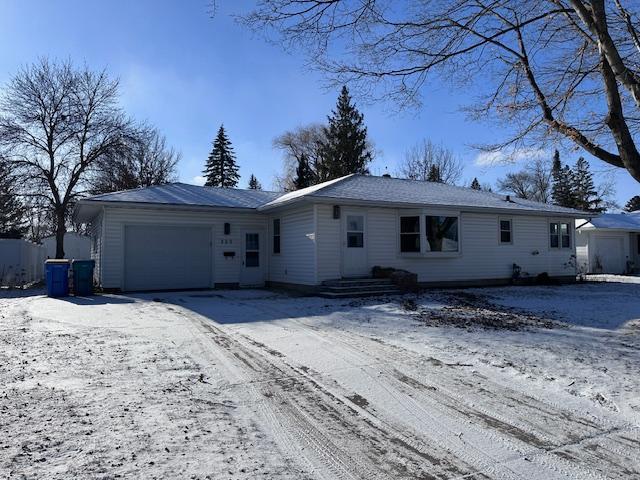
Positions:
{"x": 410, "y": 234}
{"x": 276, "y": 235}
{"x": 442, "y": 233}
{"x": 559, "y": 235}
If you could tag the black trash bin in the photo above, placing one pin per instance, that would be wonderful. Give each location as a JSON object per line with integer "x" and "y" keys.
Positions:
{"x": 82, "y": 277}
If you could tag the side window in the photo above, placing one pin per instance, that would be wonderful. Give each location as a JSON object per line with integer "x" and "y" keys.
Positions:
{"x": 410, "y": 234}
{"x": 276, "y": 235}
{"x": 506, "y": 235}
{"x": 559, "y": 235}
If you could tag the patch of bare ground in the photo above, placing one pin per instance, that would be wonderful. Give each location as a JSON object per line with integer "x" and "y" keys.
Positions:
{"x": 469, "y": 310}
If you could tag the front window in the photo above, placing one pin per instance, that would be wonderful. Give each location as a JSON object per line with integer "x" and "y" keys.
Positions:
{"x": 505, "y": 231}
{"x": 559, "y": 235}
{"x": 276, "y": 235}
{"x": 410, "y": 234}
{"x": 442, "y": 233}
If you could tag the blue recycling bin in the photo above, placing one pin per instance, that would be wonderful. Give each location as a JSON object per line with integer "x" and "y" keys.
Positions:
{"x": 57, "y": 274}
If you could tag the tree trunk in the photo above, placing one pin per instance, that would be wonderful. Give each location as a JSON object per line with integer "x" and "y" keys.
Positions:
{"x": 60, "y": 231}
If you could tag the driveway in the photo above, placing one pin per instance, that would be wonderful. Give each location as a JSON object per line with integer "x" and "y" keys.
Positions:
{"x": 250, "y": 383}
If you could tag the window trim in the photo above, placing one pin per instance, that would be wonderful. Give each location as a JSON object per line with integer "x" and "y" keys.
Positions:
{"x": 570, "y": 234}
{"x": 274, "y": 235}
{"x": 500, "y": 230}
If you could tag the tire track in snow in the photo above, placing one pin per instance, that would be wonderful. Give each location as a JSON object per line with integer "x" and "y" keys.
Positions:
{"x": 314, "y": 409}
{"x": 541, "y": 441}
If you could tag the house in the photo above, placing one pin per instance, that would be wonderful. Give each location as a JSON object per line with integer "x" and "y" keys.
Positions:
{"x": 75, "y": 246}
{"x": 609, "y": 243}
{"x": 180, "y": 236}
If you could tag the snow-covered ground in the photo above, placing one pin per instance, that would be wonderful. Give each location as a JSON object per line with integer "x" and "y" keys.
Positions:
{"x": 520, "y": 382}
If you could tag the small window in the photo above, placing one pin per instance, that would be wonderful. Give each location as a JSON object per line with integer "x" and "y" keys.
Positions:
{"x": 442, "y": 233}
{"x": 276, "y": 235}
{"x": 252, "y": 250}
{"x": 355, "y": 231}
{"x": 638, "y": 240}
{"x": 410, "y": 234}
{"x": 505, "y": 231}
{"x": 559, "y": 235}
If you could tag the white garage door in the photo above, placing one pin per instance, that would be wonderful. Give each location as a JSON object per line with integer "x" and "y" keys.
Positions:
{"x": 167, "y": 258}
{"x": 610, "y": 254}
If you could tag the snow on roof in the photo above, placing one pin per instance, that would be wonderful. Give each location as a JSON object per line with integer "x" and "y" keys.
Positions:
{"x": 617, "y": 221}
{"x": 185, "y": 194}
{"x": 397, "y": 191}
{"x": 357, "y": 188}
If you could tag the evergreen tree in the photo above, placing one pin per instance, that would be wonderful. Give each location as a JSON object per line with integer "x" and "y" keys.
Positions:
{"x": 584, "y": 190}
{"x": 254, "y": 184}
{"x": 563, "y": 182}
{"x": 221, "y": 169}
{"x": 633, "y": 205}
{"x": 304, "y": 173}
{"x": 434, "y": 174}
{"x": 475, "y": 184}
{"x": 346, "y": 148}
{"x": 12, "y": 211}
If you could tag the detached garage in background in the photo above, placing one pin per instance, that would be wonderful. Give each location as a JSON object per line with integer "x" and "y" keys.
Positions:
{"x": 609, "y": 243}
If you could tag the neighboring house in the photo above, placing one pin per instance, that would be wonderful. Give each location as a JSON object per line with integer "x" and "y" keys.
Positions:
{"x": 180, "y": 236}
{"x": 75, "y": 246}
{"x": 609, "y": 243}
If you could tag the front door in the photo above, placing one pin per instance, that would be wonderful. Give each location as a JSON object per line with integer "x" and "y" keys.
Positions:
{"x": 253, "y": 268}
{"x": 354, "y": 244}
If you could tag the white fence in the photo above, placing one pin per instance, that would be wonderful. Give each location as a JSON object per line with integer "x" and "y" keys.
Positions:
{"x": 21, "y": 262}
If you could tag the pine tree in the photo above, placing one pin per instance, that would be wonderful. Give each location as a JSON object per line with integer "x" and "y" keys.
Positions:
{"x": 221, "y": 169}
{"x": 254, "y": 184}
{"x": 12, "y": 211}
{"x": 584, "y": 190}
{"x": 346, "y": 148}
{"x": 434, "y": 174}
{"x": 475, "y": 184}
{"x": 562, "y": 189}
{"x": 304, "y": 173}
{"x": 633, "y": 205}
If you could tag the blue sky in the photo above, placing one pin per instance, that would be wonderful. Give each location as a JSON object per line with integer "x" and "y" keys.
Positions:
{"x": 187, "y": 73}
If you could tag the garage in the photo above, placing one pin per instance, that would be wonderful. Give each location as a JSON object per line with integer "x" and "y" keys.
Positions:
{"x": 610, "y": 254}
{"x": 161, "y": 257}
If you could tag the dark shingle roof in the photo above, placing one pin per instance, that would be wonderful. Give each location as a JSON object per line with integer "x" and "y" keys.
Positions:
{"x": 397, "y": 191}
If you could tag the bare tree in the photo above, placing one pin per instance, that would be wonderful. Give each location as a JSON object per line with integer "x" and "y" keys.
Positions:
{"x": 534, "y": 182}
{"x": 303, "y": 142}
{"x": 56, "y": 122}
{"x": 547, "y": 69}
{"x": 424, "y": 158}
{"x": 146, "y": 161}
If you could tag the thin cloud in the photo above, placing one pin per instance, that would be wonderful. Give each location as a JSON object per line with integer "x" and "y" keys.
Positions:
{"x": 198, "y": 180}
{"x": 502, "y": 157}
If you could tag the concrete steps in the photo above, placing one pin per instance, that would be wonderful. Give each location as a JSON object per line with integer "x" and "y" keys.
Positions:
{"x": 358, "y": 287}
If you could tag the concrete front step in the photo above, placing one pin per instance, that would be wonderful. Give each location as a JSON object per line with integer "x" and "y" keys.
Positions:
{"x": 370, "y": 293}
{"x": 356, "y": 282}
{"x": 359, "y": 288}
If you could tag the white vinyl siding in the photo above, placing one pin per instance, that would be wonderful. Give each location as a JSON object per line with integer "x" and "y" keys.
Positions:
{"x": 480, "y": 256}
{"x": 95, "y": 234}
{"x": 296, "y": 262}
{"x": 225, "y": 269}
{"x": 329, "y": 244}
